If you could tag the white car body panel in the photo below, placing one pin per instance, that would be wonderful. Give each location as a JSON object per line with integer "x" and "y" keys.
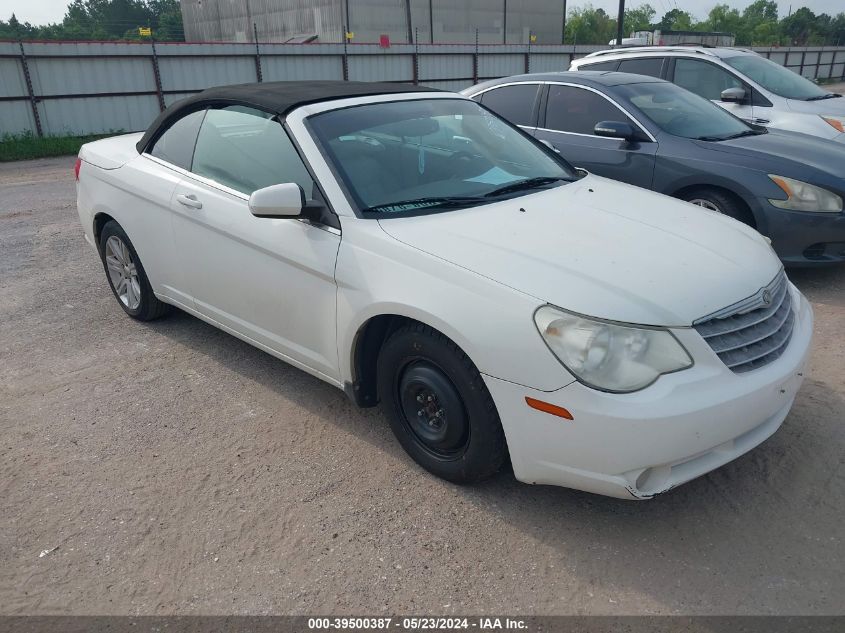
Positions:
{"x": 590, "y": 255}
{"x": 245, "y": 273}
{"x": 303, "y": 292}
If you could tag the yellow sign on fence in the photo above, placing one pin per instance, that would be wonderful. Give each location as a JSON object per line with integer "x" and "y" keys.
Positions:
{"x": 145, "y": 30}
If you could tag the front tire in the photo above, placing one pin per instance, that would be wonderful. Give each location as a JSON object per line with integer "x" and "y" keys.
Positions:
{"x": 720, "y": 202}
{"x": 126, "y": 275}
{"x": 438, "y": 406}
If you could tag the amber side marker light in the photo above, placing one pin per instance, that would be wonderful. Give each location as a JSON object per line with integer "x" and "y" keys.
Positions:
{"x": 546, "y": 407}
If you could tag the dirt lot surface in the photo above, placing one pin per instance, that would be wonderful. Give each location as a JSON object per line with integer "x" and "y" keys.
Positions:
{"x": 169, "y": 468}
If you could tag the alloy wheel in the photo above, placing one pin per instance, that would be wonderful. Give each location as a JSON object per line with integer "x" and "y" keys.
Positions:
{"x": 123, "y": 273}
{"x": 707, "y": 204}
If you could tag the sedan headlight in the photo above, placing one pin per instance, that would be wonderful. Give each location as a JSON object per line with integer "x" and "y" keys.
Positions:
{"x": 610, "y": 356}
{"x": 802, "y": 196}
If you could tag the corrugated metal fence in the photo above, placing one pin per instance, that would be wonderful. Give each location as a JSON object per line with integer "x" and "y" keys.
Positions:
{"x": 55, "y": 88}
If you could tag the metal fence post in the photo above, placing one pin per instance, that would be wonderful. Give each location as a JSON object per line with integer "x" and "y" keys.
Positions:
{"x": 416, "y": 57}
{"x": 475, "y": 60}
{"x": 157, "y": 75}
{"x": 345, "y": 58}
{"x": 528, "y": 55}
{"x": 32, "y": 100}
{"x": 257, "y": 54}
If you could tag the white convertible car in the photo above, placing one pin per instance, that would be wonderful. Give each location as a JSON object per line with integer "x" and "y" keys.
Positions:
{"x": 412, "y": 248}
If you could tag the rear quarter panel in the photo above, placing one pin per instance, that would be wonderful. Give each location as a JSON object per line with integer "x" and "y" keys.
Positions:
{"x": 137, "y": 195}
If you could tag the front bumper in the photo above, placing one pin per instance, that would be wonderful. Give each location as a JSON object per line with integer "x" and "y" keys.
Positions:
{"x": 641, "y": 444}
{"x": 805, "y": 239}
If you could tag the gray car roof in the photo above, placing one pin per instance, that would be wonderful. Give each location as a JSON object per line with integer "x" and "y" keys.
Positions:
{"x": 583, "y": 77}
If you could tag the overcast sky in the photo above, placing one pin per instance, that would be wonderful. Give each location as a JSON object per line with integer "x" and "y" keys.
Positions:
{"x": 44, "y": 11}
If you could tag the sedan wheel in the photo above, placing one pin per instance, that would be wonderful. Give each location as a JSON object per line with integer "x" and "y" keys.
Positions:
{"x": 438, "y": 405}
{"x": 123, "y": 273}
{"x": 720, "y": 201}
{"x": 432, "y": 409}
{"x": 126, "y": 275}
{"x": 707, "y": 204}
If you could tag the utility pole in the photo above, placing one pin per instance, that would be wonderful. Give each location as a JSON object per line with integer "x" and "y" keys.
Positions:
{"x": 563, "y": 28}
{"x": 431, "y": 20}
{"x": 505, "y": 22}
{"x": 619, "y": 22}
{"x": 408, "y": 20}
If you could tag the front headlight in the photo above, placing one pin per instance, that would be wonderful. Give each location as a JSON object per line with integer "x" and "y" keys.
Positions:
{"x": 608, "y": 356}
{"x": 802, "y": 196}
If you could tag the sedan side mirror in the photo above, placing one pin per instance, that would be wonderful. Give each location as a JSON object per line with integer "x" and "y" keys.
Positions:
{"x": 615, "y": 129}
{"x": 286, "y": 200}
{"x": 733, "y": 95}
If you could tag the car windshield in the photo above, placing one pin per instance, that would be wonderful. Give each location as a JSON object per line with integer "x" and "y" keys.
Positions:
{"x": 682, "y": 113}
{"x": 775, "y": 78}
{"x": 405, "y": 157}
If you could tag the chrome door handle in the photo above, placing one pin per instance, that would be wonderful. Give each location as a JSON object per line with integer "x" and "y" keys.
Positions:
{"x": 189, "y": 201}
{"x": 760, "y": 121}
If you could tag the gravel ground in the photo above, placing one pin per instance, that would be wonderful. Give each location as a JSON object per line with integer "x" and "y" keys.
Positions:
{"x": 169, "y": 468}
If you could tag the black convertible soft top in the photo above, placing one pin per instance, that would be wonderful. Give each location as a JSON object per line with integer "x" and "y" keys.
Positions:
{"x": 278, "y": 97}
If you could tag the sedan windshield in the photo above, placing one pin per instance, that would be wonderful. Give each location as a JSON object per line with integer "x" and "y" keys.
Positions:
{"x": 777, "y": 79}
{"x": 682, "y": 113}
{"x": 403, "y": 157}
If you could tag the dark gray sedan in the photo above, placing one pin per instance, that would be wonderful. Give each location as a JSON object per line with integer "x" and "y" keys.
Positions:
{"x": 653, "y": 134}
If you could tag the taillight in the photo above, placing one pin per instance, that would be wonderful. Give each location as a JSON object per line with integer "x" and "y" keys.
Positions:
{"x": 76, "y": 167}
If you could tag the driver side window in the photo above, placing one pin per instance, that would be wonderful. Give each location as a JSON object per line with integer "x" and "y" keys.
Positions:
{"x": 246, "y": 149}
{"x": 576, "y": 110}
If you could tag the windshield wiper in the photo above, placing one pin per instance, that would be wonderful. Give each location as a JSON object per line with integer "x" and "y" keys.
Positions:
{"x": 528, "y": 183}
{"x": 730, "y": 136}
{"x": 423, "y": 203}
{"x": 829, "y": 95}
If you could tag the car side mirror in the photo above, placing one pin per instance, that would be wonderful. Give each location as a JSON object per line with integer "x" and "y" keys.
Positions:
{"x": 286, "y": 200}
{"x": 615, "y": 129}
{"x": 733, "y": 95}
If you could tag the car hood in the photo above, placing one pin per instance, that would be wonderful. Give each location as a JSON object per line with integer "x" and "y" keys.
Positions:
{"x": 782, "y": 145}
{"x": 604, "y": 249}
{"x": 835, "y": 106}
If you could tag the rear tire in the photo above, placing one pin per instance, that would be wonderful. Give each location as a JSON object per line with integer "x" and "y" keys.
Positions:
{"x": 438, "y": 406}
{"x": 720, "y": 202}
{"x": 127, "y": 279}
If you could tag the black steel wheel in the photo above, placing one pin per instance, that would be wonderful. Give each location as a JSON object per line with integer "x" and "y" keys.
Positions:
{"x": 432, "y": 409}
{"x": 438, "y": 405}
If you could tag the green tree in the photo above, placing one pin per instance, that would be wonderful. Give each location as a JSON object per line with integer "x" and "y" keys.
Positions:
{"x": 105, "y": 20}
{"x": 587, "y": 25}
{"x": 723, "y": 19}
{"x": 760, "y": 26}
{"x": 798, "y": 27}
{"x": 675, "y": 20}
{"x": 639, "y": 18}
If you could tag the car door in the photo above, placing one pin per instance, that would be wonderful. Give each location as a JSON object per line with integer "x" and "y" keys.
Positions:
{"x": 270, "y": 280}
{"x": 708, "y": 80}
{"x": 567, "y": 122}
{"x": 152, "y": 180}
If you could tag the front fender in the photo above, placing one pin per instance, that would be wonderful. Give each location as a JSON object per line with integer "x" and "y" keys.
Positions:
{"x": 493, "y": 324}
